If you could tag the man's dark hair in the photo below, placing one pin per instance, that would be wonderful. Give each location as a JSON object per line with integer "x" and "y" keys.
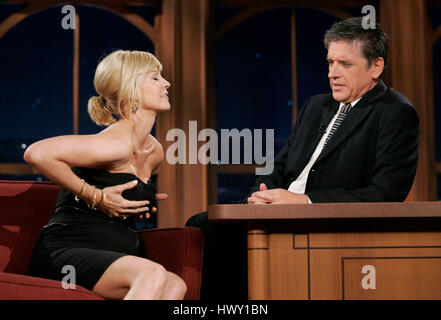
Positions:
{"x": 374, "y": 41}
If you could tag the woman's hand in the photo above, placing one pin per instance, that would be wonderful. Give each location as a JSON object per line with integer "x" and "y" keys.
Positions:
{"x": 116, "y": 206}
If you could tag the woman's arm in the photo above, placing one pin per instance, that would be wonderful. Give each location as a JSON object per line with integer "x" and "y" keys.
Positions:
{"x": 53, "y": 157}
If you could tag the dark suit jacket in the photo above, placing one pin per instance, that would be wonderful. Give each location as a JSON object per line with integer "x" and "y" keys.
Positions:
{"x": 371, "y": 157}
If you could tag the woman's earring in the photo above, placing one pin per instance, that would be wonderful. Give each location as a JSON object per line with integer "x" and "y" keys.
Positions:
{"x": 134, "y": 107}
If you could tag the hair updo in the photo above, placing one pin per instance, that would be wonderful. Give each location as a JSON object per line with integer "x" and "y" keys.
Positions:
{"x": 117, "y": 80}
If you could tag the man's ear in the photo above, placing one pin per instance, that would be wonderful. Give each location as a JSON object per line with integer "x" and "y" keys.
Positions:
{"x": 377, "y": 67}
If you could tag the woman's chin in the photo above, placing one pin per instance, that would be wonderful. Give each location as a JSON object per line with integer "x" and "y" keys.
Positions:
{"x": 165, "y": 107}
{"x": 160, "y": 108}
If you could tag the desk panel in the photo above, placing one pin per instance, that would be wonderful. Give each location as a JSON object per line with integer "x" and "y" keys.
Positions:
{"x": 341, "y": 251}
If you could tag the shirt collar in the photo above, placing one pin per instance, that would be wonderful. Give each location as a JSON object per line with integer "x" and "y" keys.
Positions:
{"x": 353, "y": 103}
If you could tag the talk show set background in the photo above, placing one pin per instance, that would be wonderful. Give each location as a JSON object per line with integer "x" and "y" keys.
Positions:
{"x": 245, "y": 90}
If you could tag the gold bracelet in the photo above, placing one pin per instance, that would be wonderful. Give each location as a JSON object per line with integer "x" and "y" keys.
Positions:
{"x": 94, "y": 199}
{"x": 103, "y": 198}
{"x": 77, "y": 197}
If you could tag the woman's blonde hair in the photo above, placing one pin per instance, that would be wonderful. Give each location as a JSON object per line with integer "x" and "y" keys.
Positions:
{"x": 117, "y": 81}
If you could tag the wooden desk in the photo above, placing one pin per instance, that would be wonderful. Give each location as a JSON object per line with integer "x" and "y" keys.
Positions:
{"x": 341, "y": 250}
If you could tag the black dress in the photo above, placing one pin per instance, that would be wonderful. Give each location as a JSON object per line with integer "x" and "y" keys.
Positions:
{"x": 87, "y": 239}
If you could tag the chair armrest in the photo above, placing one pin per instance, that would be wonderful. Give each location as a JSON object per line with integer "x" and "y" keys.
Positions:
{"x": 179, "y": 250}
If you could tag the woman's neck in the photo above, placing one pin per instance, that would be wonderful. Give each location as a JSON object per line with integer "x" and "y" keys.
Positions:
{"x": 142, "y": 123}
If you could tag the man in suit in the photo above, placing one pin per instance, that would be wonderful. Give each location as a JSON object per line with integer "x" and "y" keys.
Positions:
{"x": 358, "y": 144}
{"x": 370, "y": 153}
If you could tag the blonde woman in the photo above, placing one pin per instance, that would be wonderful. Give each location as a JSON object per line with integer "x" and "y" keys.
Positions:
{"x": 105, "y": 185}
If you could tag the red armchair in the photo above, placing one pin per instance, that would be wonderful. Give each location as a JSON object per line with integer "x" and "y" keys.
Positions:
{"x": 25, "y": 207}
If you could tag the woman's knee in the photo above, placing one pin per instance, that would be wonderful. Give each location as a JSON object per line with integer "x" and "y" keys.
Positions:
{"x": 155, "y": 275}
{"x": 177, "y": 283}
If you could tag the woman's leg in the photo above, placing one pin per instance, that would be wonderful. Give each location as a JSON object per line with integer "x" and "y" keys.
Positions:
{"x": 175, "y": 288}
{"x": 132, "y": 277}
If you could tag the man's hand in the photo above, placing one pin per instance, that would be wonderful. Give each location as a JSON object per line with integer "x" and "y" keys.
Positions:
{"x": 263, "y": 198}
{"x": 276, "y": 196}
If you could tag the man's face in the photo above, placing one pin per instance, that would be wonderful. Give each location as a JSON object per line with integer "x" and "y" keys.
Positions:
{"x": 349, "y": 76}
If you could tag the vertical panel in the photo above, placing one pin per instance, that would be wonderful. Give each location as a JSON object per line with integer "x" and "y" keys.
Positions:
{"x": 436, "y": 25}
{"x": 167, "y": 23}
{"x": 287, "y": 262}
{"x": 258, "y": 266}
{"x": 183, "y": 50}
{"x": 193, "y": 103}
{"x": 410, "y": 72}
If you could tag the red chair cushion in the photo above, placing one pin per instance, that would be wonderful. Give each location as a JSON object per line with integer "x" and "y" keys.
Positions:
{"x": 20, "y": 287}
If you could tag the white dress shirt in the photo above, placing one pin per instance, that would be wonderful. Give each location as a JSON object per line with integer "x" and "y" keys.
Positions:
{"x": 299, "y": 185}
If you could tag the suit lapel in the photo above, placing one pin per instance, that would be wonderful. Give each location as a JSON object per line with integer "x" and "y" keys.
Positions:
{"x": 353, "y": 119}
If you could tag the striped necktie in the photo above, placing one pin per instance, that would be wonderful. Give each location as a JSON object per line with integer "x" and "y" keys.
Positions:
{"x": 341, "y": 116}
